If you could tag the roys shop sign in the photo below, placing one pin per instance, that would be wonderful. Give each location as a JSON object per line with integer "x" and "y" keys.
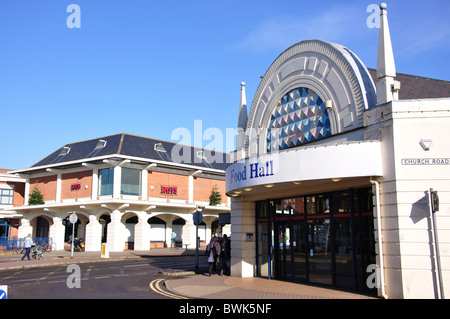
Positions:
{"x": 75, "y": 187}
{"x": 169, "y": 190}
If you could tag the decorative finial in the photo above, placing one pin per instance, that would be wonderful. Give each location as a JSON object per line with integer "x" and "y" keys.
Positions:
{"x": 385, "y": 61}
{"x": 242, "y": 83}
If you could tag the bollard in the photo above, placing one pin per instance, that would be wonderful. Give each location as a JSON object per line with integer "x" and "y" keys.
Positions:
{"x": 105, "y": 251}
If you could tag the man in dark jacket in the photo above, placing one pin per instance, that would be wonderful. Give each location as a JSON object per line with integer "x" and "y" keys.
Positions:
{"x": 224, "y": 255}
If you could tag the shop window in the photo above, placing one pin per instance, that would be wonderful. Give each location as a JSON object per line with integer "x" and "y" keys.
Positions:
{"x": 106, "y": 181}
{"x": 293, "y": 206}
{"x": 131, "y": 181}
{"x": 6, "y": 196}
{"x": 299, "y": 117}
{"x": 317, "y": 204}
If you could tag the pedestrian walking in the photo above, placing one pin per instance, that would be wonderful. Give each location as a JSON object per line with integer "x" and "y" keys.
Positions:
{"x": 224, "y": 255}
{"x": 213, "y": 250}
{"x": 28, "y": 244}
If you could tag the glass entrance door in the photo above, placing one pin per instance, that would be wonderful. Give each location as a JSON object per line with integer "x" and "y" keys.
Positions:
{"x": 299, "y": 250}
{"x": 290, "y": 251}
{"x": 283, "y": 252}
{"x": 319, "y": 254}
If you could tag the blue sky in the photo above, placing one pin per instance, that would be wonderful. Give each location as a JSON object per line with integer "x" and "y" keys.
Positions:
{"x": 148, "y": 67}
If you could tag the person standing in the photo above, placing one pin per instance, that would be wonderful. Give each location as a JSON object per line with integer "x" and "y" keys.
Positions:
{"x": 214, "y": 250}
{"x": 28, "y": 244}
{"x": 173, "y": 236}
{"x": 224, "y": 255}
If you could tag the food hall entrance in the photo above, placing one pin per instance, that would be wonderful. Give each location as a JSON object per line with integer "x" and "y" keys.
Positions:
{"x": 322, "y": 238}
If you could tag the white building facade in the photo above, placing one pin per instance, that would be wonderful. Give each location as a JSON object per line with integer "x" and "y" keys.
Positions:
{"x": 332, "y": 178}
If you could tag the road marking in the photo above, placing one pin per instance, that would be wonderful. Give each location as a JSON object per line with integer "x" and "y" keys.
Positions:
{"x": 16, "y": 273}
{"x": 154, "y": 285}
{"x": 140, "y": 265}
{"x": 51, "y": 273}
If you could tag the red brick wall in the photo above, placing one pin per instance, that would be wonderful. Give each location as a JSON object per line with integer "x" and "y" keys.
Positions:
{"x": 19, "y": 193}
{"x": 83, "y": 178}
{"x": 204, "y": 186}
{"x": 47, "y": 186}
{"x": 158, "y": 179}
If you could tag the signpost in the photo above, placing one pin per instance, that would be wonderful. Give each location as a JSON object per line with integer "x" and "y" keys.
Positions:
{"x": 434, "y": 207}
{"x": 198, "y": 218}
{"x": 73, "y": 218}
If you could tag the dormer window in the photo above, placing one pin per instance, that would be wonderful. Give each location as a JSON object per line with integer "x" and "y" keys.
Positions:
{"x": 98, "y": 147}
{"x": 62, "y": 153}
{"x": 159, "y": 147}
{"x": 100, "y": 144}
{"x": 201, "y": 155}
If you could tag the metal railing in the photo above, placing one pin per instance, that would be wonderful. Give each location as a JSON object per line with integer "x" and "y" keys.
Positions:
{"x": 16, "y": 244}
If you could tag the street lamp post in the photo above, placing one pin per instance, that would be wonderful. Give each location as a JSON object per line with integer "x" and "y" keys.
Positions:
{"x": 198, "y": 218}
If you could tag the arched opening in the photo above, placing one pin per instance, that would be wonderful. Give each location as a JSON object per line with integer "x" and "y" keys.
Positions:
{"x": 42, "y": 227}
{"x": 104, "y": 220}
{"x": 68, "y": 228}
{"x": 130, "y": 224}
{"x": 157, "y": 232}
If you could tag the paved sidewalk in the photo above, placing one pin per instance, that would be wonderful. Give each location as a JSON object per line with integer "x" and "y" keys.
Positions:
{"x": 223, "y": 287}
{"x": 190, "y": 284}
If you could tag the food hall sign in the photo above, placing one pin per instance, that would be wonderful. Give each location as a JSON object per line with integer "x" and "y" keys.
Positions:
{"x": 255, "y": 170}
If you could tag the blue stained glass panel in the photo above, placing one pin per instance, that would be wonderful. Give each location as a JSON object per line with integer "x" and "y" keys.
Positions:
{"x": 308, "y": 120}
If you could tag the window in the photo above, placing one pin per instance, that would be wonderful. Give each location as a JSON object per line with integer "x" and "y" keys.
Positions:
{"x": 131, "y": 182}
{"x": 159, "y": 147}
{"x": 62, "y": 153}
{"x": 299, "y": 117}
{"x": 105, "y": 181}
{"x": 6, "y": 196}
{"x": 98, "y": 147}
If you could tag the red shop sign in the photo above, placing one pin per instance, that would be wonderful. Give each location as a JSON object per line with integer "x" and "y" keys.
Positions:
{"x": 169, "y": 190}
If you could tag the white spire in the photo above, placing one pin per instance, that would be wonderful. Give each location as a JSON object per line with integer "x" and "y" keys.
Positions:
{"x": 385, "y": 62}
{"x": 242, "y": 119}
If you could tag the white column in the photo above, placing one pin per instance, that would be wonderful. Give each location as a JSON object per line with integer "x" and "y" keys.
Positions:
{"x": 144, "y": 184}
{"x": 93, "y": 234}
{"x": 169, "y": 233}
{"x": 142, "y": 233}
{"x": 56, "y": 233}
{"x": 25, "y": 228}
{"x": 117, "y": 182}
{"x": 188, "y": 235}
{"x": 94, "y": 186}
{"x": 116, "y": 230}
{"x": 243, "y": 253}
{"x": 27, "y": 193}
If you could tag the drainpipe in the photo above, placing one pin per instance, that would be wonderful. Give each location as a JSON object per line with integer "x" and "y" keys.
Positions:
{"x": 380, "y": 240}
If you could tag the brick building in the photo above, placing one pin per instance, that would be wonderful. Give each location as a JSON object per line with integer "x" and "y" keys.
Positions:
{"x": 12, "y": 189}
{"x": 128, "y": 191}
